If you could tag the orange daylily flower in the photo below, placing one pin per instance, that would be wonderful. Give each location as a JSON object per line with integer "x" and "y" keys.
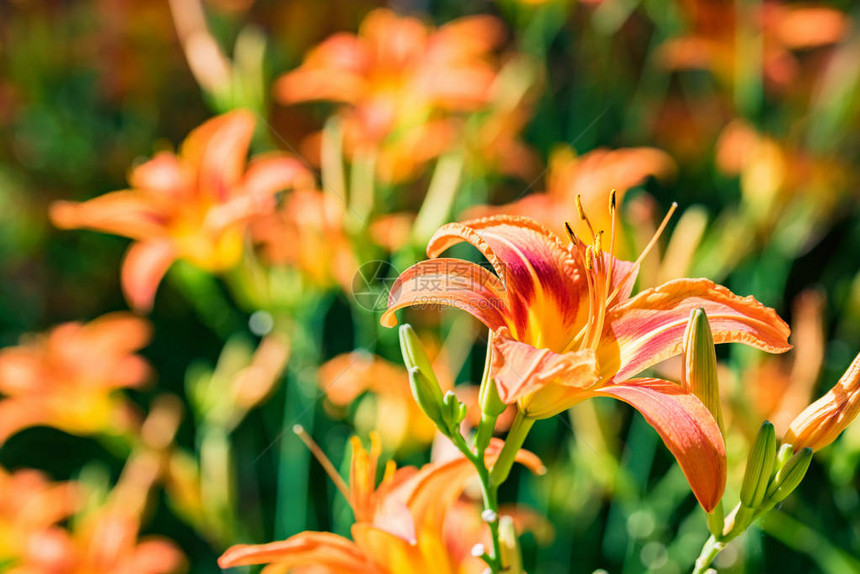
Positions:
{"x": 68, "y": 378}
{"x": 825, "y": 419}
{"x": 566, "y": 329}
{"x": 397, "y": 79}
{"x": 193, "y": 205}
{"x": 308, "y": 232}
{"x": 400, "y": 524}
{"x": 30, "y": 506}
{"x": 713, "y": 41}
{"x": 592, "y": 176}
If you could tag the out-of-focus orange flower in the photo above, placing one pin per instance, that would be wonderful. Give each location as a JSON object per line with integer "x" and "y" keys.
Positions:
{"x": 780, "y": 387}
{"x": 194, "y": 205}
{"x": 592, "y": 176}
{"x": 30, "y": 506}
{"x": 104, "y": 539}
{"x": 566, "y": 329}
{"x": 400, "y": 524}
{"x": 825, "y": 419}
{"x": 397, "y": 79}
{"x": 68, "y": 377}
{"x": 713, "y": 41}
{"x": 776, "y": 176}
{"x": 392, "y": 411}
{"x": 308, "y": 232}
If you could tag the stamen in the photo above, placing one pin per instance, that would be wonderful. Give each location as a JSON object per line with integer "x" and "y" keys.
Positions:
{"x": 324, "y": 461}
{"x": 611, "y": 238}
{"x": 583, "y": 216}
{"x": 571, "y": 234}
{"x": 645, "y": 251}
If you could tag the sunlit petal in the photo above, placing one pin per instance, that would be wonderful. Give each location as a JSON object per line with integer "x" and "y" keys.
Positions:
{"x": 687, "y": 429}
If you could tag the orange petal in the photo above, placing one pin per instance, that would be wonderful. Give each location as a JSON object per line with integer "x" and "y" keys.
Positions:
{"x": 269, "y": 174}
{"x": 649, "y": 328}
{"x": 164, "y": 175}
{"x": 217, "y": 149}
{"x": 144, "y": 265}
{"x": 304, "y": 549}
{"x": 687, "y": 429}
{"x": 452, "y": 283}
{"x": 539, "y": 273}
{"x": 544, "y": 382}
{"x": 125, "y": 213}
{"x": 17, "y": 415}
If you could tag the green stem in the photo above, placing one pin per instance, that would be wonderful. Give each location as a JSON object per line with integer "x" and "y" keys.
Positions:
{"x": 440, "y": 197}
{"x": 514, "y": 441}
{"x": 710, "y": 550}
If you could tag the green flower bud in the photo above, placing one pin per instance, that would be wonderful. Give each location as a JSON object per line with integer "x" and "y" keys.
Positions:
{"x": 789, "y": 476}
{"x": 759, "y": 467}
{"x": 512, "y": 558}
{"x": 414, "y": 354}
{"x": 453, "y": 411}
{"x": 422, "y": 379}
{"x": 699, "y": 374}
{"x": 488, "y": 395}
{"x": 428, "y": 396}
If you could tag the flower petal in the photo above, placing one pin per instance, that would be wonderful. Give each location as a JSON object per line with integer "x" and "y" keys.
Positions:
{"x": 126, "y": 213}
{"x": 687, "y": 429}
{"x": 304, "y": 549}
{"x": 144, "y": 265}
{"x": 453, "y": 283}
{"x": 544, "y": 383}
{"x": 649, "y": 328}
{"x": 217, "y": 150}
{"x": 539, "y": 273}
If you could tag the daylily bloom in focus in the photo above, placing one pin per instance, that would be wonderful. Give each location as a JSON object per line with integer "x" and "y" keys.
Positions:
{"x": 30, "y": 506}
{"x": 825, "y": 419}
{"x": 566, "y": 329}
{"x": 193, "y": 205}
{"x": 400, "y": 524}
{"x": 398, "y": 79}
{"x": 592, "y": 176}
{"x": 68, "y": 377}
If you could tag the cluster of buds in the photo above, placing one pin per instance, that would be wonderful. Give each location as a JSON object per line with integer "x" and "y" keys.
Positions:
{"x": 772, "y": 471}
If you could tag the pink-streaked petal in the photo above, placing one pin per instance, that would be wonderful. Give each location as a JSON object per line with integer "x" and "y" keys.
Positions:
{"x": 304, "y": 549}
{"x": 520, "y": 369}
{"x": 544, "y": 382}
{"x": 686, "y": 427}
{"x": 452, "y": 283}
{"x": 540, "y": 276}
{"x": 124, "y": 213}
{"x": 648, "y": 328}
{"x": 142, "y": 270}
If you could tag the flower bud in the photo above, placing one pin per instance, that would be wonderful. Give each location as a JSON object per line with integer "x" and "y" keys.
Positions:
{"x": 453, "y": 411}
{"x": 789, "y": 476}
{"x": 512, "y": 558}
{"x": 488, "y": 394}
{"x": 759, "y": 467}
{"x": 424, "y": 393}
{"x": 825, "y": 419}
{"x": 422, "y": 379}
{"x": 699, "y": 374}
